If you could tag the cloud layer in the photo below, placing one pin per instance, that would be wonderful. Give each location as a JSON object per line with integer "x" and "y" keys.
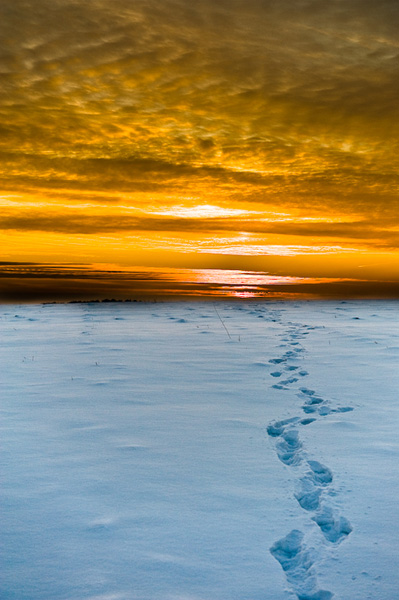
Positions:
{"x": 114, "y": 114}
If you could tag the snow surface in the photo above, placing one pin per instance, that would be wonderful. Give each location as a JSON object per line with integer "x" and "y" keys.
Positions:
{"x": 238, "y": 451}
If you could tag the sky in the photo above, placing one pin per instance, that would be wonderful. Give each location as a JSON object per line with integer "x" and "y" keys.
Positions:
{"x": 216, "y": 147}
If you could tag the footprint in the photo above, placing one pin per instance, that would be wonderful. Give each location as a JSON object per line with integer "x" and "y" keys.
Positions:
{"x": 290, "y": 554}
{"x": 277, "y": 428}
{"x": 289, "y": 448}
{"x": 319, "y": 473}
{"x": 291, "y": 368}
{"x": 297, "y": 564}
{"x": 276, "y": 374}
{"x": 307, "y": 421}
{"x": 334, "y": 529}
{"x": 325, "y": 410}
{"x": 290, "y": 380}
{"x": 316, "y": 404}
{"x": 309, "y": 494}
{"x": 276, "y": 361}
{"x": 307, "y": 391}
{"x": 314, "y": 400}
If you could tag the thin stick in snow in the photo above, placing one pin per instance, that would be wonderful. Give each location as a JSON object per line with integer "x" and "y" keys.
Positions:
{"x": 221, "y": 320}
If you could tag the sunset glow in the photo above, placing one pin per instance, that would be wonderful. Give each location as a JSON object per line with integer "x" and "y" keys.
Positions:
{"x": 233, "y": 136}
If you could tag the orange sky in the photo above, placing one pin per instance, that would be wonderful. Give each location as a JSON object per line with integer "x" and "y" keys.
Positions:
{"x": 242, "y": 135}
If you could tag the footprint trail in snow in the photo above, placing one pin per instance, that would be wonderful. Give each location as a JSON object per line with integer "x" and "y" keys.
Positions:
{"x": 314, "y": 484}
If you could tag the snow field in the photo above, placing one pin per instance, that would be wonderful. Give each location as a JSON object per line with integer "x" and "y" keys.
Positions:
{"x": 149, "y": 453}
